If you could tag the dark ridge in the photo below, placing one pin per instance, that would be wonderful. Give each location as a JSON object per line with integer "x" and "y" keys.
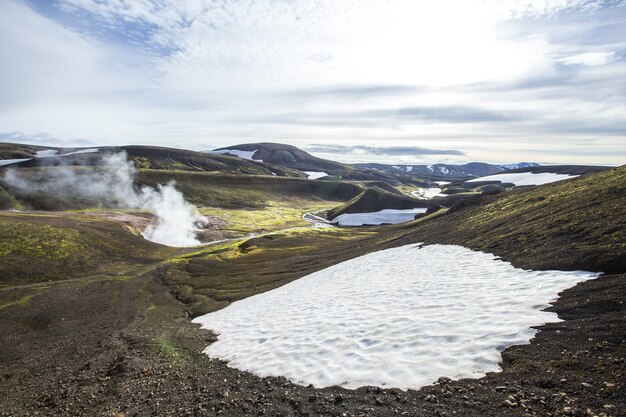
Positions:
{"x": 376, "y": 199}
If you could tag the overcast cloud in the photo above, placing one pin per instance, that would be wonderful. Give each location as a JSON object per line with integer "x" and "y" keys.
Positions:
{"x": 492, "y": 80}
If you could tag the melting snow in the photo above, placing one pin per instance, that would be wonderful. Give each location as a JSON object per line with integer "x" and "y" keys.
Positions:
{"x": 427, "y": 193}
{"x": 313, "y": 175}
{"x": 46, "y": 153}
{"x": 525, "y": 178}
{"x": 240, "y": 154}
{"x": 399, "y": 317}
{"x": 92, "y": 150}
{"x": 12, "y": 161}
{"x": 386, "y": 216}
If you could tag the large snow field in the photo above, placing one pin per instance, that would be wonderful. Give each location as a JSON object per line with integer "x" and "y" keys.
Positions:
{"x": 399, "y": 317}
{"x": 525, "y": 178}
{"x": 386, "y": 216}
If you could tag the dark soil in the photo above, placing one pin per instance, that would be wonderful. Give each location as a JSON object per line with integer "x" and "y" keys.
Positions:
{"x": 126, "y": 346}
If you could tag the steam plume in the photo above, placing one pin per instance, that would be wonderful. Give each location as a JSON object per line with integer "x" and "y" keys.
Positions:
{"x": 110, "y": 184}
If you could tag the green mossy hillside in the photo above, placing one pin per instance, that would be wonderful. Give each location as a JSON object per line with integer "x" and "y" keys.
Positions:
{"x": 572, "y": 224}
{"x": 206, "y": 189}
{"x": 38, "y": 247}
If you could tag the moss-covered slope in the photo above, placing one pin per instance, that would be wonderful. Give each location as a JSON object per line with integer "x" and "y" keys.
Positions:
{"x": 41, "y": 247}
{"x": 573, "y": 224}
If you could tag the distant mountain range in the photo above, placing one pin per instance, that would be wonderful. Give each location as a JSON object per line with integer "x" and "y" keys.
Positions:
{"x": 295, "y": 158}
{"x": 436, "y": 172}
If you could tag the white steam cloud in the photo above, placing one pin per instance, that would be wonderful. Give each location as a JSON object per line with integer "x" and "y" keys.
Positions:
{"x": 111, "y": 184}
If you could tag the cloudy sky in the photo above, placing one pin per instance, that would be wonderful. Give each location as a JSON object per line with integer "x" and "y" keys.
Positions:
{"x": 353, "y": 80}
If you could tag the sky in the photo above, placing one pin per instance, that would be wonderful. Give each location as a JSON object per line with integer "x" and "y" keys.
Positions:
{"x": 395, "y": 81}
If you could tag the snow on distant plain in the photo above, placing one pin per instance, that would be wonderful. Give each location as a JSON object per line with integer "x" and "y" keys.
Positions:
{"x": 400, "y": 318}
{"x": 92, "y": 150}
{"x": 386, "y": 216}
{"x": 427, "y": 193}
{"x": 313, "y": 175}
{"x": 46, "y": 153}
{"x": 12, "y": 161}
{"x": 525, "y": 178}
{"x": 241, "y": 154}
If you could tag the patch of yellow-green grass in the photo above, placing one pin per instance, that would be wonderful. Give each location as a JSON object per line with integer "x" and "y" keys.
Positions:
{"x": 276, "y": 215}
{"x": 22, "y": 300}
{"x": 169, "y": 352}
{"x": 42, "y": 241}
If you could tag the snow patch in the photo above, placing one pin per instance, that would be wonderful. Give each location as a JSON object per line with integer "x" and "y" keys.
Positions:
{"x": 525, "y": 178}
{"x": 313, "y": 175}
{"x": 241, "y": 154}
{"x": 12, "y": 161}
{"x": 92, "y": 150}
{"x": 46, "y": 153}
{"x": 400, "y": 318}
{"x": 427, "y": 193}
{"x": 386, "y": 216}
{"x": 409, "y": 169}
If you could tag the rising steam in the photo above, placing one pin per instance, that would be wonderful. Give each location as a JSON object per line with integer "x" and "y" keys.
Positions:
{"x": 110, "y": 184}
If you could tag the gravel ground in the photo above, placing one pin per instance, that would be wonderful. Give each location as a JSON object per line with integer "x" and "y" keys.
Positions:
{"x": 126, "y": 348}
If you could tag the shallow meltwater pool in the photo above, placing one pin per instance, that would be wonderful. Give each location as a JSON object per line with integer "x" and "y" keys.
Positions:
{"x": 399, "y": 317}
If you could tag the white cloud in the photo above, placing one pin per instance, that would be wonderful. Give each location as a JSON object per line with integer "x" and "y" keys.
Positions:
{"x": 589, "y": 58}
{"x": 170, "y": 72}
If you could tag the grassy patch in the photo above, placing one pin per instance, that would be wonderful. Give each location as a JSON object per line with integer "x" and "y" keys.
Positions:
{"x": 23, "y": 300}
{"x": 55, "y": 246}
{"x": 169, "y": 352}
{"x": 43, "y": 241}
{"x": 276, "y": 215}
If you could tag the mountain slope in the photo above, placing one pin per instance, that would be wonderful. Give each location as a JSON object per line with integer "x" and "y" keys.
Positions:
{"x": 375, "y": 199}
{"x": 152, "y": 157}
{"x": 288, "y": 156}
{"x": 575, "y": 224}
{"x": 447, "y": 172}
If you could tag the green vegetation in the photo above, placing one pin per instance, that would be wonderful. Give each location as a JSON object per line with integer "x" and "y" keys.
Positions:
{"x": 575, "y": 223}
{"x": 54, "y": 246}
{"x": 206, "y": 189}
{"x": 276, "y": 215}
{"x": 39, "y": 241}
{"x": 22, "y": 300}
{"x": 169, "y": 352}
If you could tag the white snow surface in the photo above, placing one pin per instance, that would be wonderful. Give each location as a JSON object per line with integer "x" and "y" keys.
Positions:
{"x": 400, "y": 318}
{"x": 240, "y": 154}
{"x": 92, "y": 150}
{"x": 12, "y": 161}
{"x": 313, "y": 175}
{"x": 386, "y": 216}
{"x": 525, "y": 178}
{"x": 46, "y": 153}
{"x": 427, "y": 193}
